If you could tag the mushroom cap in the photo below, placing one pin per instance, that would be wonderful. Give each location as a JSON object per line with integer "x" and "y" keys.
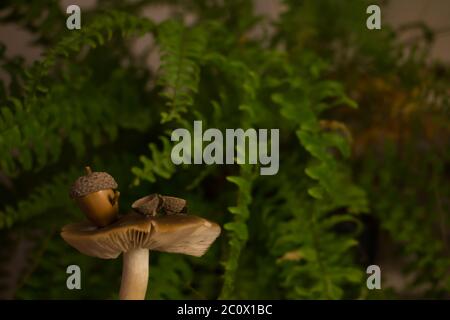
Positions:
{"x": 177, "y": 233}
{"x": 92, "y": 182}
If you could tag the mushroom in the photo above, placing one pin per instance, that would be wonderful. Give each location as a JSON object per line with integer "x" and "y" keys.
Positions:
{"x": 134, "y": 235}
{"x": 96, "y": 196}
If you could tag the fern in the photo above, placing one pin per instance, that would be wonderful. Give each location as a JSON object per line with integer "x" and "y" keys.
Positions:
{"x": 32, "y": 140}
{"x": 170, "y": 278}
{"x": 314, "y": 270}
{"x": 27, "y": 129}
{"x": 54, "y": 254}
{"x": 158, "y": 165}
{"x": 51, "y": 195}
{"x": 237, "y": 228}
{"x": 428, "y": 249}
{"x": 93, "y": 35}
{"x": 314, "y": 260}
{"x": 181, "y": 52}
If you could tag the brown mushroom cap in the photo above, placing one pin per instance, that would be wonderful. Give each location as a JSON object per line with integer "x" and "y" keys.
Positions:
{"x": 175, "y": 233}
{"x": 92, "y": 182}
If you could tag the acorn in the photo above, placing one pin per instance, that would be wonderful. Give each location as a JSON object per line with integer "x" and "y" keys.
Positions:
{"x": 96, "y": 195}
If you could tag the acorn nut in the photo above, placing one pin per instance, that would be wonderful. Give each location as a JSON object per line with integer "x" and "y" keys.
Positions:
{"x": 96, "y": 195}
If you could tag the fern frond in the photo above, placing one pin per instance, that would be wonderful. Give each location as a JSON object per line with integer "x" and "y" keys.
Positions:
{"x": 181, "y": 52}
{"x": 171, "y": 276}
{"x": 32, "y": 139}
{"x": 95, "y": 34}
{"x": 160, "y": 163}
{"x": 51, "y": 195}
{"x": 237, "y": 228}
{"x": 28, "y": 126}
{"x": 247, "y": 81}
{"x": 333, "y": 177}
{"x": 322, "y": 265}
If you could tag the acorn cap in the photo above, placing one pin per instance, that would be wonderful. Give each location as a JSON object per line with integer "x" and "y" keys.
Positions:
{"x": 92, "y": 182}
{"x": 174, "y": 205}
{"x": 153, "y": 203}
{"x": 148, "y": 205}
{"x": 177, "y": 233}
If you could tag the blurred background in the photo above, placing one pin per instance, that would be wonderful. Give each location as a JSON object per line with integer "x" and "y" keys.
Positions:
{"x": 357, "y": 186}
{"x": 396, "y": 13}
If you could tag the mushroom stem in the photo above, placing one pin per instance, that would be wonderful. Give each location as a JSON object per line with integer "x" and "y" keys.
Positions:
{"x": 134, "y": 274}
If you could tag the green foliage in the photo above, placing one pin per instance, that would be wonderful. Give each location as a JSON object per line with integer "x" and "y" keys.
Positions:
{"x": 32, "y": 137}
{"x": 170, "y": 278}
{"x": 181, "y": 50}
{"x": 51, "y": 255}
{"x": 403, "y": 212}
{"x": 95, "y": 34}
{"x": 52, "y": 194}
{"x": 237, "y": 228}
{"x": 158, "y": 165}
{"x": 318, "y": 249}
{"x": 299, "y": 234}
